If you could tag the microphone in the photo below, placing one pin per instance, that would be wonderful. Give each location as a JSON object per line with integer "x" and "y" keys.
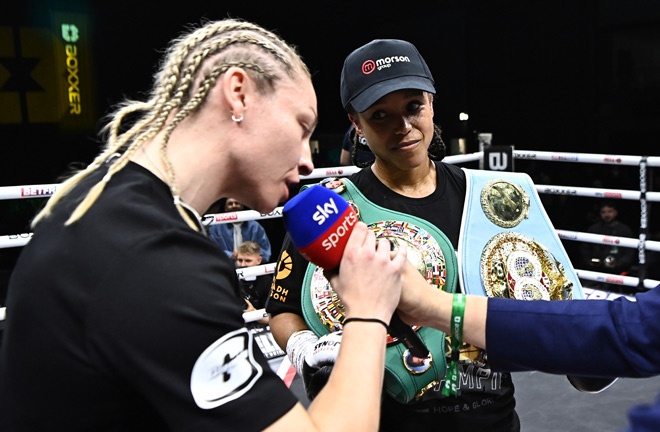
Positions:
{"x": 319, "y": 222}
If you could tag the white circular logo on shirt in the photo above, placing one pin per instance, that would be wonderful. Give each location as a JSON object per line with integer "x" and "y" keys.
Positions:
{"x": 225, "y": 370}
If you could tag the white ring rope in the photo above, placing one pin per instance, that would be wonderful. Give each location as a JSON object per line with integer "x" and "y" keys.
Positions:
{"x": 595, "y": 192}
{"x": 33, "y": 191}
{"x": 592, "y": 158}
{"x": 610, "y": 240}
{"x": 46, "y": 190}
{"x": 239, "y": 216}
{"x": 259, "y": 270}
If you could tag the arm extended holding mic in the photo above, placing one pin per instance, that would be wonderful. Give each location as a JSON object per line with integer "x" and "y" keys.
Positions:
{"x": 319, "y": 222}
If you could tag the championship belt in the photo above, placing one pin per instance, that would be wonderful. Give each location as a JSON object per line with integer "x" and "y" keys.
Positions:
{"x": 508, "y": 236}
{"x": 407, "y": 377}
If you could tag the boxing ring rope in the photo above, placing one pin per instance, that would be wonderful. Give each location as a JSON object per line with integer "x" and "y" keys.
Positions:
{"x": 641, "y": 243}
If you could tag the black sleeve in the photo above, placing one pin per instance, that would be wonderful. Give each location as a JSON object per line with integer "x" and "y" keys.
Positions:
{"x": 285, "y": 294}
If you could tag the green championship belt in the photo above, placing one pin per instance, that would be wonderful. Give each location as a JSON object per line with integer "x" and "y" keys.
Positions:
{"x": 407, "y": 377}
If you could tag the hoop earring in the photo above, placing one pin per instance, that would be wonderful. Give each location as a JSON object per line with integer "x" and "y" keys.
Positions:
{"x": 237, "y": 119}
{"x": 363, "y": 140}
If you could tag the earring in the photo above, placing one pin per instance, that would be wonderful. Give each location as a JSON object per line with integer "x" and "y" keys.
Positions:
{"x": 237, "y": 119}
{"x": 363, "y": 140}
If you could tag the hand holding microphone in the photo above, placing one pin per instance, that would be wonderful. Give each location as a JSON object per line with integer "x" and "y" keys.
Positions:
{"x": 322, "y": 225}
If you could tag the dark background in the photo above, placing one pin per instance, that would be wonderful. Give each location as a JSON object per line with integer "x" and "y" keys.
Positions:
{"x": 569, "y": 76}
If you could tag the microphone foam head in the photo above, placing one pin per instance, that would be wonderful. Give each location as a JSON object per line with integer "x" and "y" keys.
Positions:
{"x": 319, "y": 222}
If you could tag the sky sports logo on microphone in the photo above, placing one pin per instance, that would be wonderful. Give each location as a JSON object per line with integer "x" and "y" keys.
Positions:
{"x": 319, "y": 222}
{"x": 342, "y": 226}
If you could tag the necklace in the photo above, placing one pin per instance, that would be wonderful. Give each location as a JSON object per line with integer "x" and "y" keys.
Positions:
{"x": 197, "y": 218}
{"x": 178, "y": 202}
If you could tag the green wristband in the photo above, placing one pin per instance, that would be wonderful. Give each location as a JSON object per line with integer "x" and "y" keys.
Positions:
{"x": 452, "y": 379}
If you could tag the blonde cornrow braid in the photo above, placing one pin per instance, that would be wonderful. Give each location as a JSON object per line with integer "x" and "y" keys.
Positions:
{"x": 183, "y": 61}
{"x": 117, "y": 141}
{"x": 188, "y": 74}
{"x": 141, "y": 132}
{"x": 62, "y": 190}
{"x": 112, "y": 147}
{"x": 166, "y": 81}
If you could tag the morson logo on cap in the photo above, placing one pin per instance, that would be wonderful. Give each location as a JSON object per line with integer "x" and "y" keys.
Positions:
{"x": 369, "y": 66}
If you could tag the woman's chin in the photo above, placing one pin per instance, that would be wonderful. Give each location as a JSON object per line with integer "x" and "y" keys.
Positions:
{"x": 268, "y": 205}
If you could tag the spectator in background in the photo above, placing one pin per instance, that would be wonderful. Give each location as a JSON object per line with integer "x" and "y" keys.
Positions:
{"x": 363, "y": 154}
{"x": 255, "y": 289}
{"x": 228, "y": 236}
{"x": 609, "y": 258}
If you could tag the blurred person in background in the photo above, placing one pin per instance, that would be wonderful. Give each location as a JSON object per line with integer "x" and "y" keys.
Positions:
{"x": 228, "y": 236}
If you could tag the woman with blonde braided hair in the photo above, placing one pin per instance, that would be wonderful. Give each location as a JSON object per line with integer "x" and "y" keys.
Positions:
{"x": 123, "y": 315}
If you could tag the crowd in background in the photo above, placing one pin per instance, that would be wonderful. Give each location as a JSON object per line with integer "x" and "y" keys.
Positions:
{"x": 566, "y": 212}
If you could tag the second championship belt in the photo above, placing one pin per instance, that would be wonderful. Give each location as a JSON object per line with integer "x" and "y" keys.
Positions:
{"x": 407, "y": 377}
{"x": 508, "y": 246}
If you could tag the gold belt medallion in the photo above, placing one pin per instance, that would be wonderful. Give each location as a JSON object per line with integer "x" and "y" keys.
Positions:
{"x": 515, "y": 266}
{"x": 505, "y": 204}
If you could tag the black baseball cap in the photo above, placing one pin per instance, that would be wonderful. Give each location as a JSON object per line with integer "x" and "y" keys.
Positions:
{"x": 379, "y": 68}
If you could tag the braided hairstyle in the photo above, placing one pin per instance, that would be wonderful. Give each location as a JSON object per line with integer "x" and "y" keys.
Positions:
{"x": 189, "y": 69}
{"x": 437, "y": 149}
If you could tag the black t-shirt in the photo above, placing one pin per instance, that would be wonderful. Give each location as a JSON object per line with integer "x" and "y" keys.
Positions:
{"x": 486, "y": 402}
{"x": 129, "y": 320}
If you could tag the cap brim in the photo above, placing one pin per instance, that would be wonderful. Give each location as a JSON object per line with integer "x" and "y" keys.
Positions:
{"x": 368, "y": 97}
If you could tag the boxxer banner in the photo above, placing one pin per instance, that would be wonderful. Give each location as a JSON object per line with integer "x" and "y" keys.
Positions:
{"x": 45, "y": 74}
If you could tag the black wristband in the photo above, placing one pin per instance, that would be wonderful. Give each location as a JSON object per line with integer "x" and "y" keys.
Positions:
{"x": 373, "y": 320}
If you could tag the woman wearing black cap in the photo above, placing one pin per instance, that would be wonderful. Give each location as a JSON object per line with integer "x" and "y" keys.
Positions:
{"x": 387, "y": 91}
